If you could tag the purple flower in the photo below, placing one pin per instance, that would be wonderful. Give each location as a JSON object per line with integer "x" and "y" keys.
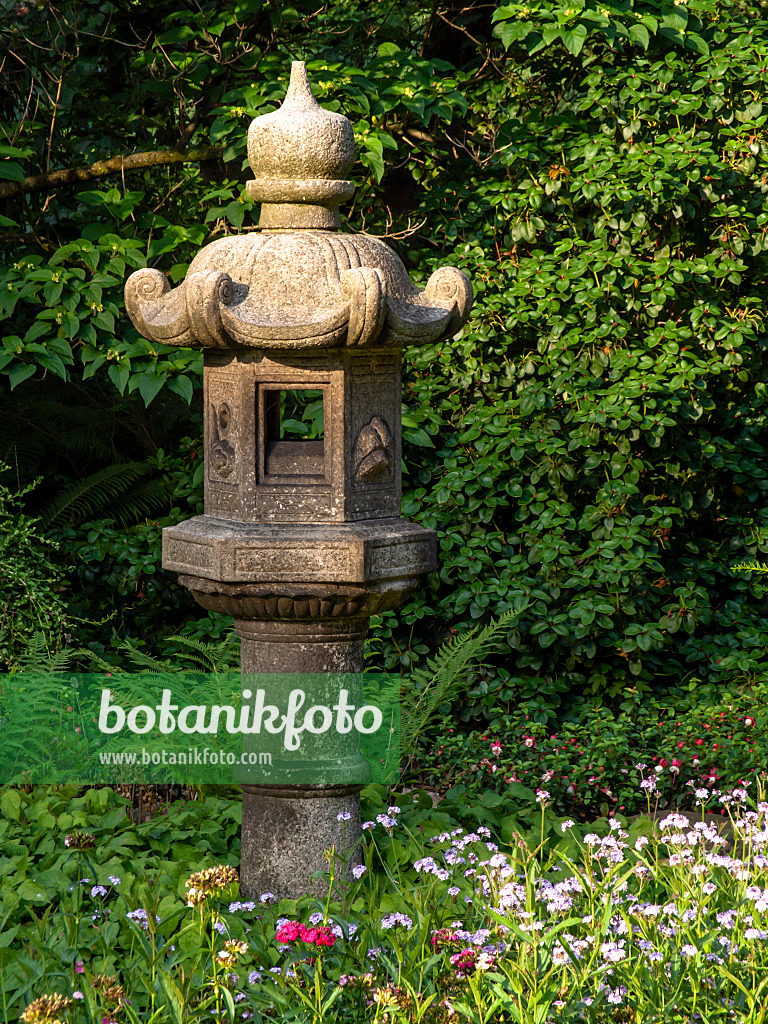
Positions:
{"x": 140, "y": 917}
{"x": 237, "y": 905}
{"x": 396, "y": 919}
{"x": 359, "y": 870}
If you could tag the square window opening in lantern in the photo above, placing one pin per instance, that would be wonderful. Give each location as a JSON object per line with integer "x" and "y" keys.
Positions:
{"x": 294, "y": 421}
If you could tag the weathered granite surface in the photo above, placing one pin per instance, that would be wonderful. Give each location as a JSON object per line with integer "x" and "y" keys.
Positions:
{"x": 298, "y": 284}
{"x": 301, "y": 540}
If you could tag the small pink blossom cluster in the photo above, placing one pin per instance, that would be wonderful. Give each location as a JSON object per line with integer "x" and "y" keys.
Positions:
{"x": 464, "y": 962}
{"x": 294, "y": 931}
{"x": 443, "y": 937}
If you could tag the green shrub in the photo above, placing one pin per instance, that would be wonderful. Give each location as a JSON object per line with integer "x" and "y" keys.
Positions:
{"x": 592, "y": 449}
{"x": 32, "y": 583}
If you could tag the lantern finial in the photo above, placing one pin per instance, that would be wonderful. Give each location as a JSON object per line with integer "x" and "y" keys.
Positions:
{"x": 300, "y": 156}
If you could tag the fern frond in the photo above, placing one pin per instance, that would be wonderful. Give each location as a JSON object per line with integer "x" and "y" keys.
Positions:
{"x": 438, "y": 681}
{"x": 220, "y": 657}
{"x": 143, "y": 501}
{"x": 94, "y": 661}
{"x": 84, "y": 499}
{"x": 142, "y": 660}
{"x": 759, "y": 567}
{"x": 38, "y": 658}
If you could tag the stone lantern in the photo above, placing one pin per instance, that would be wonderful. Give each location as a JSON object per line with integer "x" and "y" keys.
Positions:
{"x": 301, "y": 540}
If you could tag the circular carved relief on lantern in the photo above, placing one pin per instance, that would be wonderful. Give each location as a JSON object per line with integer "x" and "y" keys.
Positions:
{"x": 222, "y": 453}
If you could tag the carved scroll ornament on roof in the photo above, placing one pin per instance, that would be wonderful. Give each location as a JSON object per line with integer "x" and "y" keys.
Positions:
{"x": 308, "y": 289}
{"x": 300, "y": 282}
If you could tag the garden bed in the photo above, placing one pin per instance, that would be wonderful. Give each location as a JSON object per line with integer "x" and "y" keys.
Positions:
{"x": 107, "y": 921}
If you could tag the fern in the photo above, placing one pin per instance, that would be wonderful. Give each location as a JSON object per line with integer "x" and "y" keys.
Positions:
{"x": 142, "y": 660}
{"x": 221, "y": 657}
{"x": 194, "y": 656}
{"x": 441, "y": 677}
{"x": 28, "y": 729}
{"x": 38, "y": 658}
{"x": 143, "y": 501}
{"x": 759, "y": 567}
{"x": 84, "y": 499}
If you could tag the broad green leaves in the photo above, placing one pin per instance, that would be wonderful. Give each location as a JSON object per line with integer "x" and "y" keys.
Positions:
{"x": 591, "y": 450}
{"x": 70, "y": 309}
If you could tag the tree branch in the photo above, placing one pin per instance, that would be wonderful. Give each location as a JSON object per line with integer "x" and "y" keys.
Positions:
{"x": 115, "y": 165}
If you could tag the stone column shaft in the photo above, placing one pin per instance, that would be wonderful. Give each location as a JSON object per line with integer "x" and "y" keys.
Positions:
{"x": 287, "y": 829}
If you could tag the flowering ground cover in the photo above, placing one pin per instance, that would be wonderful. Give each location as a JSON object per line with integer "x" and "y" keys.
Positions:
{"x": 586, "y": 753}
{"x": 431, "y": 922}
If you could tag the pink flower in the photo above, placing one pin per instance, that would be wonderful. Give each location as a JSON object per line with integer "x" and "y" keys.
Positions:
{"x": 293, "y": 931}
{"x": 289, "y": 932}
{"x": 749, "y": 721}
{"x": 80, "y": 967}
{"x": 325, "y": 937}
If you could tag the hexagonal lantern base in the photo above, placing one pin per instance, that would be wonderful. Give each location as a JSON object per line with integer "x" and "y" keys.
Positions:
{"x": 363, "y": 552}
{"x": 301, "y": 595}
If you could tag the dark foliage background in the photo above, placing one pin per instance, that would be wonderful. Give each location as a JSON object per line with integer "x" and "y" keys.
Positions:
{"x": 591, "y": 449}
